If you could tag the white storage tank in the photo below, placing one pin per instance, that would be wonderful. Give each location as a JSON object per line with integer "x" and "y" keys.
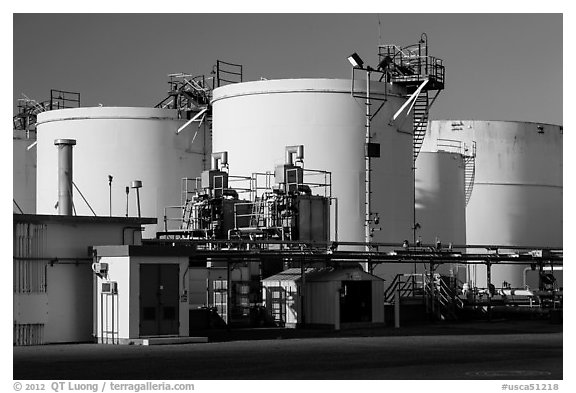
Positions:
{"x": 127, "y": 143}
{"x": 255, "y": 121}
{"x": 440, "y": 202}
{"x": 516, "y": 199}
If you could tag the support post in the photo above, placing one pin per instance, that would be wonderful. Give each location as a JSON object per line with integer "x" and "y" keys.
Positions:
{"x": 337, "y": 311}
{"x": 397, "y": 308}
{"x": 489, "y": 285}
{"x": 432, "y": 290}
{"x": 302, "y": 292}
{"x": 228, "y": 294}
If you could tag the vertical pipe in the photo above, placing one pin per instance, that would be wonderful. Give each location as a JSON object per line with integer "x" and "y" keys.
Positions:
{"x": 137, "y": 184}
{"x": 110, "y": 193}
{"x": 138, "y": 201}
{"x": 65, "y": 199}
{"x": 127, "y": 192}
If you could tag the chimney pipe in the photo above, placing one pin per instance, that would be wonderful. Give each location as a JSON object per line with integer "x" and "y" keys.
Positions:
{"x": 65, "y": 200}
{"x": 298, "y": 151}
{"x": 220, "y": 157}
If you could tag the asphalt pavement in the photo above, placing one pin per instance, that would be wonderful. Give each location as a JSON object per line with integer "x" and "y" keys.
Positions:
{"x": 508, "y": 350}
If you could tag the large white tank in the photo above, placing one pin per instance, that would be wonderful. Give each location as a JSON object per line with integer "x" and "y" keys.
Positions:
{"x": 23, "y": 172}
{"x": 516, "y": 199}
{"x": 440, "y": 202}
{"x": 127, "y": 143}
{"x": 254, "y": 121}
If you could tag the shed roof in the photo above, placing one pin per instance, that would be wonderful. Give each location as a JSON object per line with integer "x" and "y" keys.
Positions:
{"x": 292, "y": 274}
{"x": 326, "y": 274}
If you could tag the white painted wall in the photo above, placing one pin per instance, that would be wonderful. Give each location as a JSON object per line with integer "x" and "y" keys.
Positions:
{"x": 66, "y": 308}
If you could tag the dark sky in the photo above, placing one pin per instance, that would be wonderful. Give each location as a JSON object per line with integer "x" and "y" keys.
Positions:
{"x": 498, "y": 66}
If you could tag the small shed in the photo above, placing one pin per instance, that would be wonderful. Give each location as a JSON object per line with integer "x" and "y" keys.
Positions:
{"x": 329, "y": 297}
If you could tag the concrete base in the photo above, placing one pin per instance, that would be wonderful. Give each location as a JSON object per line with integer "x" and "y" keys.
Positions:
{"x": 156, "y": 341}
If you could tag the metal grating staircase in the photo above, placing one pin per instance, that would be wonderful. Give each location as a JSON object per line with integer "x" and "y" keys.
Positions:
{"x": 420, "y": 122}
{"x": 257, "y": 218}
{"x": 469, "y": 172}
{"x": 441, "y": 300}
{"x": 187, "y": 215}
{"x": 409, "y": 286}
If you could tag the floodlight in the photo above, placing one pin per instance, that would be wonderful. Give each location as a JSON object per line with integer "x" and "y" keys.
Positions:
{"x": 355, "y": 60}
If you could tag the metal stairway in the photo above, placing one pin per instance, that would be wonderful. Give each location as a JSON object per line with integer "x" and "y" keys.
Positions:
{"x": 257, "y": 219}
{"x": 442, "y": 301}
{"x": 409, "y": 286}
{"x": 187, "y": 215}
{"x": 469, "y": 172}
{"x": 420, "y": 122}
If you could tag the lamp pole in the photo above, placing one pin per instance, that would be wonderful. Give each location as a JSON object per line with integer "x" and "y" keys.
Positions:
{"x": 368, "y": 187}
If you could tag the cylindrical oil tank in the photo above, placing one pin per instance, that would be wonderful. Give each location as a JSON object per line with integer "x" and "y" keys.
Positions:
{"x": 516, "y": 198}
{"x": 440, "y": 203}
{"x": 24, "y": 172}
{"x": 127, "y": 143}
{"x": 255, "y": 121}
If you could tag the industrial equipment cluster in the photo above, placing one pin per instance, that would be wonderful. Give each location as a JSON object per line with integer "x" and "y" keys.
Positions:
{"x": 290, "y": 203}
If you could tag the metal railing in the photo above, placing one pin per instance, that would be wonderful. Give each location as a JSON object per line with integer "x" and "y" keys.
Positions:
{"x": 230, "y": 73}
{"x": 408, "y": 284}
{"x": 413, "y": 63}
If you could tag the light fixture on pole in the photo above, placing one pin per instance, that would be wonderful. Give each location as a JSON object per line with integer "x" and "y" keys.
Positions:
{"x": 358, "y": 63}
{"x": 355, "y": 60}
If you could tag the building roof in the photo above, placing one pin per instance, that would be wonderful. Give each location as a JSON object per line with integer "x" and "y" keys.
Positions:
{"x": 292, "y": 274}
{"x": 44, "y": 218}
{"x": 326, "y": 274}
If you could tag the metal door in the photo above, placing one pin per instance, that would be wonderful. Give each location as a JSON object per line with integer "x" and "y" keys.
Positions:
{"x": 356, "y": 301}
{"x": 159, "y": 299}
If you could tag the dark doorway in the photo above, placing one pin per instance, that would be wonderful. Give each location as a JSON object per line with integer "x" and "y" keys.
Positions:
{"x": 356, "y": 301}
{"x": 159, "y": 299}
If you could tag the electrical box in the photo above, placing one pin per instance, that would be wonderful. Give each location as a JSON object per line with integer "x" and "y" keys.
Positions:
{"x": 290, "y": 175}
{"x": 372, "y": 150}
{"x": 213, "y": 179}
{"x": 313, "y": 220}
{"x": 110, "y": 287}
